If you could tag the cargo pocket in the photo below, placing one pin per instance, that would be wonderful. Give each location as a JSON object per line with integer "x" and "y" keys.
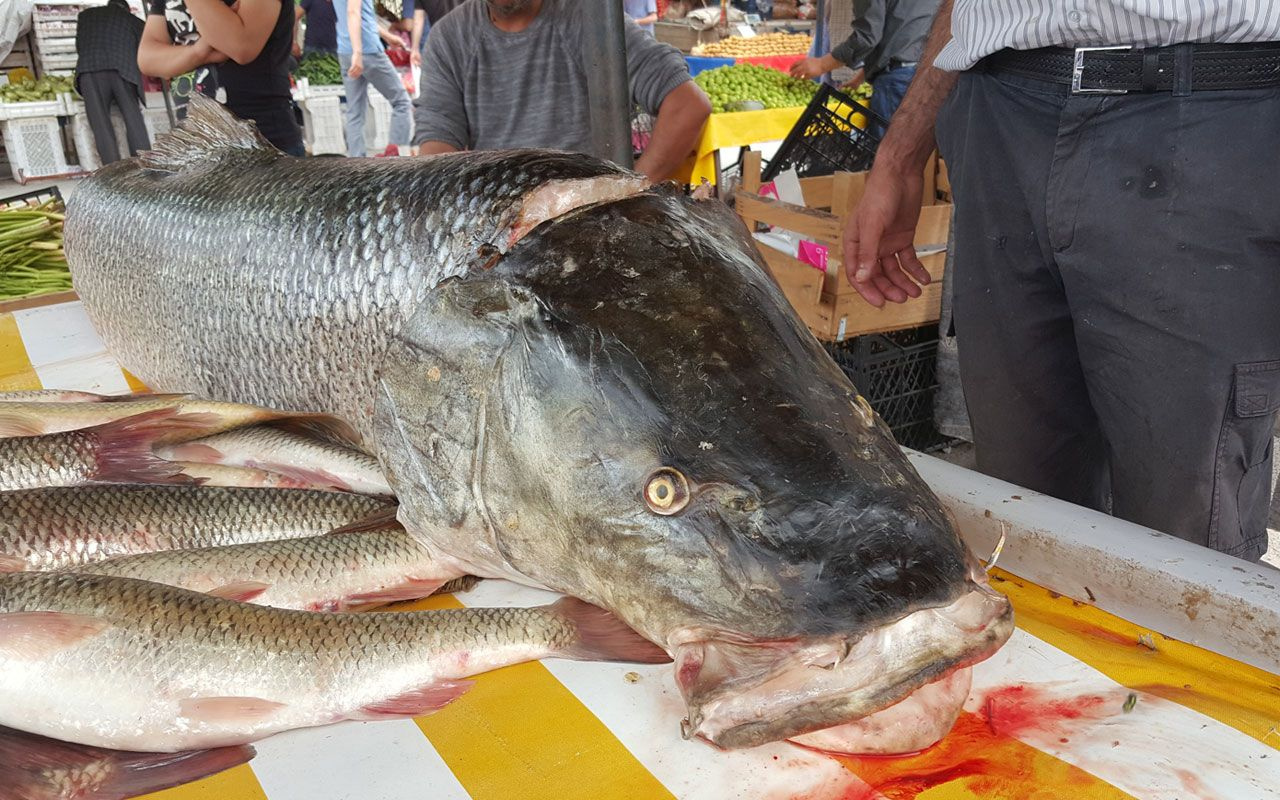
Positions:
{"x": 1242, "y": 477}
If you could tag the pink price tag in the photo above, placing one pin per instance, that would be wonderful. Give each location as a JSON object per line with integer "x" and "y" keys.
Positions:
{"x": 769, "y": 190}
{"x": 813, "y": 254}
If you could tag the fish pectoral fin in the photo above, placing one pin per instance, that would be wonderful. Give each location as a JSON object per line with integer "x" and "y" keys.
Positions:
{"x": 196, "y": 451}
{"x": 302, "y": 475}
{"x": 37, "y": 634}
{"x": 12, "y": 564}
{"x": 416, "y": 702}
{"x": 410, "y": 589}
{"x": 227, "y": 710}
{"x": 18, "y": 423}
{"x": 603, "y": 637}
{"x": 381, "y": 520}
{"x": 240, "y": 591}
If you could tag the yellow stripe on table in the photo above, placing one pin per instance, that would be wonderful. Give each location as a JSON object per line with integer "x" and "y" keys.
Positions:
{"x": 16, "y": 372}
{"x": 520, "y": 733}
{"x": 237, "y": 783}
{"x": 1235, "y": 694}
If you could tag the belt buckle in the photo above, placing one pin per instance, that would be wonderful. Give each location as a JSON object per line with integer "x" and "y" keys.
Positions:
{"x": 1077, "y": 70}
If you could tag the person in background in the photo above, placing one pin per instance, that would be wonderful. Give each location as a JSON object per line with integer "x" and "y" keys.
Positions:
{"x": 107, "y": 40}
{"x": 1117, "y": 250}
{"x": 501, "y": 74}
{"x": 644, "y": 12}
{"x": 322, "y": 27}
{"x": 887, "y": 40}
{"x": 365, "y": 64}
{"x": 414, "y": 24}
{"x": 252, "y": 43}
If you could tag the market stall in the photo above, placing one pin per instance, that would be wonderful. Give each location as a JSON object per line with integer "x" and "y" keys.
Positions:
{"x": 1142, "y": 667}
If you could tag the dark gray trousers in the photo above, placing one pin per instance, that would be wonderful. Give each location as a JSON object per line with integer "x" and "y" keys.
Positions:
{"x": 1117, "y": 298}
{"x": 100, "y": 89}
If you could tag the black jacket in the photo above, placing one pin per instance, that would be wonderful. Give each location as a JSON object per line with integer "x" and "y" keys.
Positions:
{"x": 107, "y": 38}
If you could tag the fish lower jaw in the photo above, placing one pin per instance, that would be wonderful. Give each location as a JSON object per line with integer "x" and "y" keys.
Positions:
{"x": 884, "y": 668}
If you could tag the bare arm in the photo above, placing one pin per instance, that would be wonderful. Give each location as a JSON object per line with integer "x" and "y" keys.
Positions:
{"x": 297, "y": 24}
{"x": 675, "y": 132}
{"x": 357, "y": 44}
{"x": 880, "y": 260}
{"x": 241, "y": 33}
{"x": 415, "y": 43}
{"x": 435, "y": 148}
{"x": 648, "y": 20}
{"x": 868, "y": 29}
{"x": 160, "y": 58}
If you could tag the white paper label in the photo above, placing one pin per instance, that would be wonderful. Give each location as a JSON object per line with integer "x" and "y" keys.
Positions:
{"x": 746, "y": 31}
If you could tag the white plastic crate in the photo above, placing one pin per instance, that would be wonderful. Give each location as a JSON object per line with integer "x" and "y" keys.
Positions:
{"x": 34, "y": 146}
{"x": 55, "y": 45}
{"x": 44, "y": 108}
{"x": 377, "y": 124}
{"x": 55, "y": 27}
{"x": 60, "y": 61}
{"x": 156, "y": 121}
{"x": 322, "y": 122}
{"x": 336, "y": 90}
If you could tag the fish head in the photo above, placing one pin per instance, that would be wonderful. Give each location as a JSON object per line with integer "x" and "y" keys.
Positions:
{"x": 626, "y": 409}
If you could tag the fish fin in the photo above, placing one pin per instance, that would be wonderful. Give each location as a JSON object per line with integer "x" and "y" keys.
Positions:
{"x": 240, "y": 591}
{"x": 382, "y": 520}
{"x": 34, "y": 767}
{"x": 415, "y": 702}
{"x": 36, "y": 634}
{"x": 12, "y": 564}
{"x": 604, "y": 637}
{"x": 209, "y": 131}
{"x": 125, "y": 447}
{"x": 308, "y": 478}
{"x": 325, "y": 427}
{"x": 227, "y": 709}
{"x": 191, "y": 451}
{"x": 124, "y": 398}
{"x": 17, "y": 423}
{"x": 410, "y": 589}
{"x": 464, "y": 583}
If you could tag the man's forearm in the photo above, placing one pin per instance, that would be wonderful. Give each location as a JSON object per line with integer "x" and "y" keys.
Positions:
{"x": 353, "y": 26}
{"x": 681, "y": 117}
{"x": 435, "y": 148}
{"x": 419, "y": 22}
{"x": 164, "y": 60}
{"x": 910, "y": 139}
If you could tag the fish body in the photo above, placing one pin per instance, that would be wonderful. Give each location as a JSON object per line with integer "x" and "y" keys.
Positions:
{"x": 337, "y": 572}
{"x": 570, "y": 380}
{"x": 45, "y": 529}
{"x": 133, "y": 665}
{"x": 304, "y": 458}
{"x": 52, "y": 396}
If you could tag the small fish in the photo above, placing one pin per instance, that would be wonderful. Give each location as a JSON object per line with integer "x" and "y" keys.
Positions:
{"x": 117, "y": 452}
{"x": 45, "y": 529}
{"x": 222, "y": 475}
{"x": 275, "y": 450}
{"x": 337, "y": 572}
{"x": 134, "y": 665}
{"x": 37, "y": 768}
{"x": 39, "y": 418}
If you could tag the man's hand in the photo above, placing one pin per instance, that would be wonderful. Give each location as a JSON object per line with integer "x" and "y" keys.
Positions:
{"x": 357, "y": 66}
{"x": 859, "y": 78}
{"x": 415, "y": 58}
{"x": 880, "y": 259}
{"x": 814, "y": 67}
{"x": 296, "y": 49}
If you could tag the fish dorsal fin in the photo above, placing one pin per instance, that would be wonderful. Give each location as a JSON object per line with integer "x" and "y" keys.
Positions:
{"x": 208, "y": 131}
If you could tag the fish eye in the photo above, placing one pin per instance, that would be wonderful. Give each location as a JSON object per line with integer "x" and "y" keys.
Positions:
{"x": 666, "y": 491}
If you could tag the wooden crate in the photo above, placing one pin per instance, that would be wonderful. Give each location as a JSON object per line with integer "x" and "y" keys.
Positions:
{"x": 827, "y": 303}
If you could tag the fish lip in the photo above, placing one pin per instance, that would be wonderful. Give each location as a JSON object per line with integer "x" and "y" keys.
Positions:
{"x": 830, "y": 709}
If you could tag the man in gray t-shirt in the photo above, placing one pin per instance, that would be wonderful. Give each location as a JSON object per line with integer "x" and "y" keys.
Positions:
{"x": 502, "y": 74}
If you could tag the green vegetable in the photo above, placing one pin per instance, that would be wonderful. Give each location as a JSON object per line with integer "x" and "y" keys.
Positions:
{"x": 43, "y": 90}
{"x": 31, "y": 259}
{"x": 730, "y": 84}
{"x": 321, "y": 69}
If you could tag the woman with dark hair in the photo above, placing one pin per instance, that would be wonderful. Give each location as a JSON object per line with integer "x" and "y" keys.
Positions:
{"x": 250, "y": 40}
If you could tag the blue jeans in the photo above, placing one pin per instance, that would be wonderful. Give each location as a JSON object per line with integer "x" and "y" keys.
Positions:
{"x": 380, "y": 73}
{"x": 887, "y": 91}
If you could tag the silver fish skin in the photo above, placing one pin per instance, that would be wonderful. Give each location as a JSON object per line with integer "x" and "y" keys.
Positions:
{"x": 336, "y": 572}
{"x": 133, "y": 665}
{"x": 301, "y": 457}
{"x": 45, "y": 529}
{"x": 52, "y": 396}
{"x": 570, "y": 381}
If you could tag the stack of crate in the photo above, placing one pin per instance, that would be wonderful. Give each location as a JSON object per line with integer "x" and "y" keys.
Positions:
{"x": 53, "y": 24}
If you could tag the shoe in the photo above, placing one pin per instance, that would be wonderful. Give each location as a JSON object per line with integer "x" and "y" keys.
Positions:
{"x": 392, "y": 151}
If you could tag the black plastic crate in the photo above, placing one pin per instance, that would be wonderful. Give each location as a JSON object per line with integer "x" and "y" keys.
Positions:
{"x": 37, "y": 197}
{"x": 825, "y": 140}
{"x": 897, "y": 374}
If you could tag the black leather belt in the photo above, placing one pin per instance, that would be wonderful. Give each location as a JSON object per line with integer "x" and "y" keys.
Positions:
{"x": 1179, "y": 68}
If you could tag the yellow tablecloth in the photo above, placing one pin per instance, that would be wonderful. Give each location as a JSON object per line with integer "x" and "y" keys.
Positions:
{"x": 735, "y": 130}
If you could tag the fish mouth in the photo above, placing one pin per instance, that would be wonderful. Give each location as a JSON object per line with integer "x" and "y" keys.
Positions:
{"x": 742, "y": 694}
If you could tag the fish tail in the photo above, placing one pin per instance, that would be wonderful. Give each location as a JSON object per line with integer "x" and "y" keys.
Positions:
{"x": 35, "y": 768}
{"x": 603, "y": 637}
{"x": 125, "y": 447}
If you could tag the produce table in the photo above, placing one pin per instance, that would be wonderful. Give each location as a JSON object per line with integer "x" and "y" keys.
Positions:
{"x": 1080, "y": 704}
{"x": 735, "y": 129}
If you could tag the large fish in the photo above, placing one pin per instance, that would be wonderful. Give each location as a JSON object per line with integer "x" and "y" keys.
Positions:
{"x": 572, "y": 380}
{"x": 43, "y": 529}
{"x": 133, "y": 665}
